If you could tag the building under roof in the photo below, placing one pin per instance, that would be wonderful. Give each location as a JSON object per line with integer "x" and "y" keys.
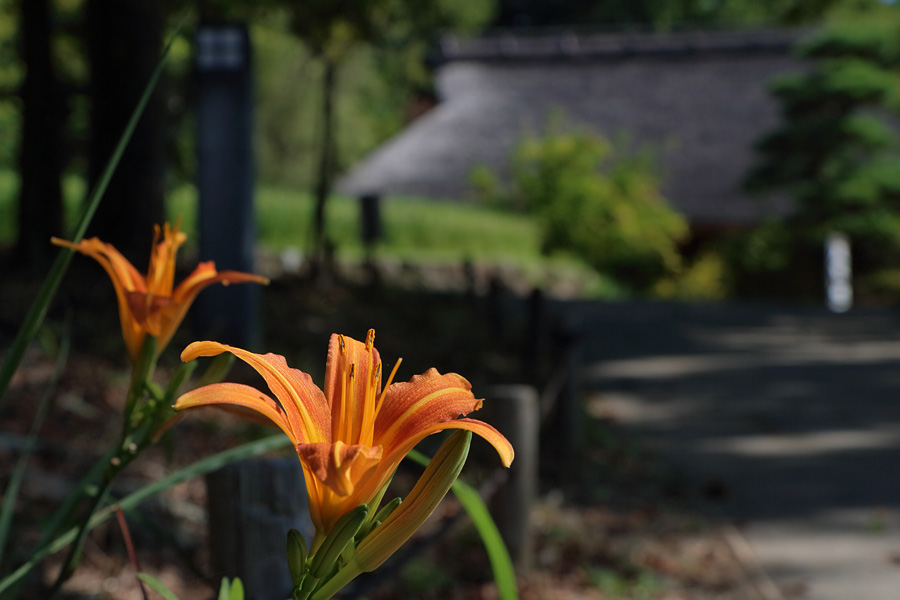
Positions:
{"x": 698, "y": 99}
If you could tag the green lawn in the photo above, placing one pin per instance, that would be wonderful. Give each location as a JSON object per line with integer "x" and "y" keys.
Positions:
{"x": 415, "y": 230}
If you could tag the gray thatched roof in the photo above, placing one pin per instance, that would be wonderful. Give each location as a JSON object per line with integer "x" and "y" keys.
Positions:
{"x": 698, "y": 99}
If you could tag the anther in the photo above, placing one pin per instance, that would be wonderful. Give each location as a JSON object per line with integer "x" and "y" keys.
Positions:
{"x": 376, "y": 373}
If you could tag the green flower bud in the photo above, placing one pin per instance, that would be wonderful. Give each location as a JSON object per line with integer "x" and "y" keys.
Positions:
{"x": 296, "y": 555}
{"x": 341, "y": 535}
{"x": 428, "y": 492}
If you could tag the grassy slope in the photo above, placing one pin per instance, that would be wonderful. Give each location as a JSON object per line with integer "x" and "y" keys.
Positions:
{"x": 415, "y": 230}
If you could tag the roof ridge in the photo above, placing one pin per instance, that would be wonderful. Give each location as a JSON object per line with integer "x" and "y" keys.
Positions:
{"x": 568, "y": 44}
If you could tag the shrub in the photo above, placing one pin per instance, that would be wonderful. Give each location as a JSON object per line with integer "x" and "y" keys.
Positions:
{"x": 595, "y": 202}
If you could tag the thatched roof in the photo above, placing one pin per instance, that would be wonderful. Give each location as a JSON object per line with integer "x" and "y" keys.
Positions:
{"x": 699, "y": 99}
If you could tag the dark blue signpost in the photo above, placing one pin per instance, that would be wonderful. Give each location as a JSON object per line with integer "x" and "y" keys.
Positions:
{"x": 224, "y": 100}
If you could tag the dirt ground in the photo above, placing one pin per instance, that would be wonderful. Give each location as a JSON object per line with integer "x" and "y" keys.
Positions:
{"x": 617, "y": 526}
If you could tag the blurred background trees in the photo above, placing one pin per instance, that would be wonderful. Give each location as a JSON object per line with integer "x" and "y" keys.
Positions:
{"x": 837, "y": 153}
{"x": 335, "y": 79}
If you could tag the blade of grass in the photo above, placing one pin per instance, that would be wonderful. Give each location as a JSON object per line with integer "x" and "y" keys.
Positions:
{"x": 501, "y": 563}
{"x": 11, "y": 494}
{"x": 157, "y": 586}
{"x": 198, "y": 468}
{"x": 38, "y": 310}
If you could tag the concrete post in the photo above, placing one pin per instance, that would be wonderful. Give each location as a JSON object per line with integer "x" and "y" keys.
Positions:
{"x": 252, "y": 505}
{"x": 514, "y": 411}
{"x": 224, "y": 95}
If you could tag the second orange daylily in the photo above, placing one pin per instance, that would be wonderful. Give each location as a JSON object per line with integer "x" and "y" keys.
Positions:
{"x": 352, "y": 436}
{"x": 152, "y": 304}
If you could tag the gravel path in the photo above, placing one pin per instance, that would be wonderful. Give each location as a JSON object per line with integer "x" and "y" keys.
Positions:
{"x": 787, "y": 420}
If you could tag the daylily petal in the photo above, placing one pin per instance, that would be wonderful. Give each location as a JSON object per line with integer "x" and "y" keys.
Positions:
{"x": 426, "y": 399}
{"x": 205, "y": 275}
{"x": 338, "y": 465}
{"x": 161, "y": 272}
{"x": 146, "y": 309}
{"x": 349, "y": 405}
{"x": 304, "y": 405}
{"x": 237, "y": 394}
{"x": 480, "y": 428}
{"x": 125, "y": 279}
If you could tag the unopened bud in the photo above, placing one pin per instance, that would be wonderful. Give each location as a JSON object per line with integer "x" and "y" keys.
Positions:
{"x": 340, "y": 536}
{"x": 296, "y": 556}
{"x": 428, "y": 492}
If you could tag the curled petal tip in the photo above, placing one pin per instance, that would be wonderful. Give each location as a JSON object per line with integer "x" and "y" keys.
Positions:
{"x": 202, "y": 348}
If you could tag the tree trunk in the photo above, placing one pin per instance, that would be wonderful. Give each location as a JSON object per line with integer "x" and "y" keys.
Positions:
{"x": 325, "y": 172}
{"x": 124, "y": 41}
{"x": 40, "y": 162}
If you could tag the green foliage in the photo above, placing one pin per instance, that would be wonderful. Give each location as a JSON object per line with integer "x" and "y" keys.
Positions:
{"x": 665, "y": 14}
{"x": 231, "y": 590}
{"x": 157, "y": 586}
{"x": 598, "y": 204}
{"x": 641, "y": 586}
{"x": 836, "y": 152}
{"x": 704, "y": 278}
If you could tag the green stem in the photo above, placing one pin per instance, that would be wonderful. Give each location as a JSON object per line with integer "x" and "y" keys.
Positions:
{"x": 338, "y": 582}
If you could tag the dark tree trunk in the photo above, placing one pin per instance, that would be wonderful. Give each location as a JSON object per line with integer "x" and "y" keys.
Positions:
{"x": 40, "y": 163}
{"x": 124, "y": 42}
{"x": 326, "y": 167}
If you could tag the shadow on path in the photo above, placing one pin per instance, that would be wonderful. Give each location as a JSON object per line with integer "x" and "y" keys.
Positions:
{"x": 794, "y": 413}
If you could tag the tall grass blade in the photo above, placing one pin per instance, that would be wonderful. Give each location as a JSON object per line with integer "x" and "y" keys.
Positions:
{"x": 501, "y": 563}
{"x": 196, "y": 469}
{"x": 11, "y": 493}
{"x": 157, "y": 586}
{"x": 38, "y": 310}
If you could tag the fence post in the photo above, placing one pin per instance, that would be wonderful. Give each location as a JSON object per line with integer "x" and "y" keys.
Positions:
{"x": 225, "y": 179}
{"x": 252, "y": 505}
{"x": 514, "y": 411}
{"x": 563, "y": 423}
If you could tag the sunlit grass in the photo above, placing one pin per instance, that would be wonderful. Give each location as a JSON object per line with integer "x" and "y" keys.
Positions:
{"x": 414, "y": 230}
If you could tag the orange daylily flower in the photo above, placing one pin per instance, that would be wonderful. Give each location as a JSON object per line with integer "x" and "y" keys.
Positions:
{"x": 351, "y": 436}
{"x": 152, "y": 304}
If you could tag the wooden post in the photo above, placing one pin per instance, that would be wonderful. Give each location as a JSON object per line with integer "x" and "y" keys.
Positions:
{"x": 252, "y": 505}
{"x": 513, "y": 409}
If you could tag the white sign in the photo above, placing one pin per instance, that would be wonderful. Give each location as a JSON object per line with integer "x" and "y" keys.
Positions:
{"x": 838, "y": 273}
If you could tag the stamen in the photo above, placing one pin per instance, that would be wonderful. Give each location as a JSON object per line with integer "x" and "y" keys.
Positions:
{"x": 387, "y": 384}
{"x": 337, "y": 422}
{"x": 376, "y": 373}
{"x": 349, "y": 408}
{"x": 341, "y": 343}
{"x": 370, "y": 340}
{"x": 367, "y": 429}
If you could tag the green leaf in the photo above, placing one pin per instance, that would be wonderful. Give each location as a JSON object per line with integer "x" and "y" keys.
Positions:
{"x": 231, "y": 590}
{"x": 237, "y": 589}
{"x": 225, "y": 589}
{"x": 157, "y": 586}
